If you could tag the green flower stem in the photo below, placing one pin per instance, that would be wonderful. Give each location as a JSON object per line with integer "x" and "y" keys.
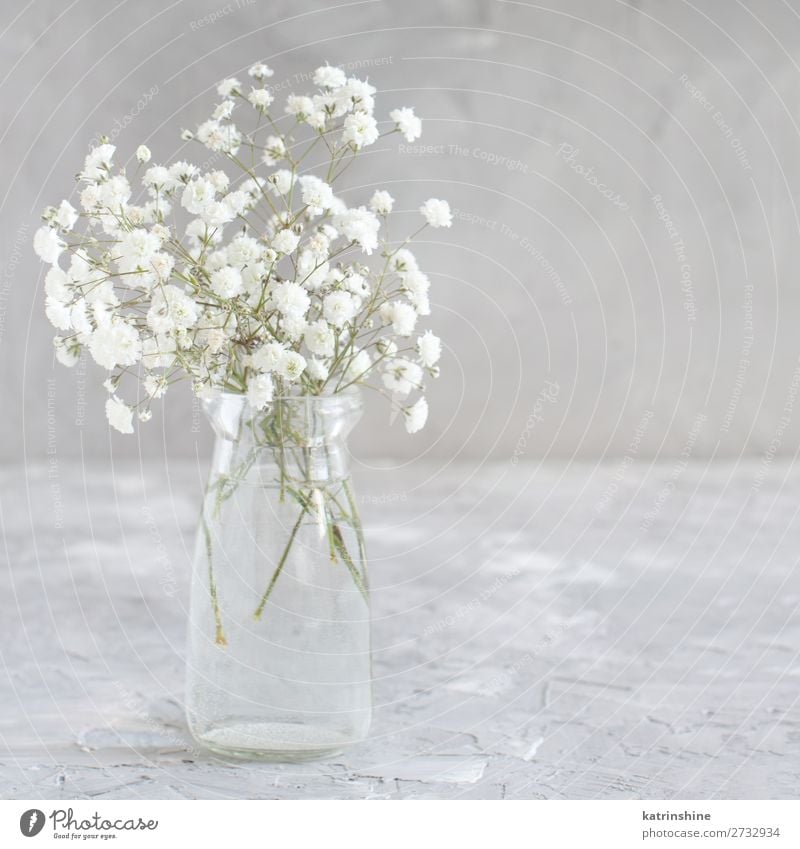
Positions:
{"x": 281, "y": 564}
{"x": 220, "y": 638}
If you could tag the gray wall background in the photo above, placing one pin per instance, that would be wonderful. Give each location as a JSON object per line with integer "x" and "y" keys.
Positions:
{"x": 655, "y": 341}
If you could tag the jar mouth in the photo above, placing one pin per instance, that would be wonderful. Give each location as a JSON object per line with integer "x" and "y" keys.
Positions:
{"x": 228, "y": 410}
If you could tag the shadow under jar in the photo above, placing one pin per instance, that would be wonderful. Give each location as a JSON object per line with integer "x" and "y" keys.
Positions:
{"x": 278, "y": 660}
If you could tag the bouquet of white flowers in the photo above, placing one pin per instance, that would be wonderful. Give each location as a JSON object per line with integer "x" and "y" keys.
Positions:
{"x": 262, "y": 291}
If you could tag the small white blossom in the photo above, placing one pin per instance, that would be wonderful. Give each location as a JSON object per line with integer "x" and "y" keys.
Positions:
{"x": 416, "y": 416}
{"x": 274, "y": 150}
{"x": 407, "y": 122}
{"x": 66, "y": 215}
{"x": 290, "y": 299}
{"x": 260, "y": 390}
{"x": 402, "y": 317}
{"x": 299, "y": 106}
{"x": 360, "y": 226}
{"x": 381, "y": 203}
{"x": 360, "y": 130}
{"x": 402, "y": 376}
{"x": 226, "y": 282}
{"x": 260, "y": 98}
{"x": 119, "y": 415}
{"x": 48, "y": 245}
{"x": 143, "y": 153}
{"x": 285, "y": 241}
{"x": 228, "y": 87}
{"x": 290, "y": 366}
{"x": 267, "y": 357}
{"x": 115, "y": 344}
{"x": 339, "y": 308}
{"x": 328, "y": 77}
{"x": 319, "y": 339}
{"x": 436, "y": 212}
{"x": 429, "y": 348}
{"x": 260, "y": 71}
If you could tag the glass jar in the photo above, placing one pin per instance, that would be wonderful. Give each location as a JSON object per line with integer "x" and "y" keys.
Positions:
{"x": 278, "y": 659}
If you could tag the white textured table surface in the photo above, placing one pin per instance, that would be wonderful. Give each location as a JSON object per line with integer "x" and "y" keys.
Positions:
{"x": 535, "y": 635}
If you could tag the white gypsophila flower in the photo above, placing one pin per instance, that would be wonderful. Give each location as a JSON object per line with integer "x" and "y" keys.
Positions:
{"x": 224, "y": 110}
{"x": 403, "y": 261}
{"x": 228, "y": 87}
{"x": 236, "y": 202}
{"x": 171, "y": 309}
{"x": 317, "y": 369}
{"x": 119, "y": 415}
{"x": 260, "y": 98}
{"x": 359, "y": 225}
{"x": 285, "y": 241}
{"x": 328, "y": 77}
{"x": 97, "y": 164}
{"x": 290, "y": 299}
{"x": 58, "y": 314}
{"x": 401, "y": 376}
{"x": 68, "y": 352}
{"x": 402, "y": 317}
{"x": 360, "y": 130}
{"x": 57, "y": 284}
{"x": 79, "y": 317}
{"x": 267, "y": 357}
{"x": 218, "y": 213}
{"x": 145, "y": 415}
{"x": 293, "y": 327}
{"x": 134, "y": 253}
{"x": 316, "y": 193}
{"x": 158, "y": 352}
{"x": 260, "y": 71}
{"x": 429, "y": 348}
{"x": 310, "y": 271}
{"x": 436, "y": 212}
{"x": 356, "y": 95}
{"x": 155, "y": 385}
{"x": 252, "y": 277}
{"x": 90, "y": 197}
{"x": 319, "y": 339}
{"x": 281, "y": 181}
{"x": 356, "y": 284}
{"x": 319, "y": 246}
{"x": 218, "y": 179}
{"x": 219, "y": 138}
{"x": 416, "y": 415}
{"x": 358, "y": 367}
{"x": 181, "y": 172}
{"x": 66, "y": 215}
{"x": 407, "y": 122}
{"x": 242, "y": 250}
{"x": 274, "y": 150}
{"x": 115, "y": 344}
{"x": 290, "y": 366}
{"x": 260, "y": 390}
{"x": 198, "y": 195}
{"x": 299, "y": 106}
{"x": 48, "y": 245}
{"x": 381, "y": 202}
{"x": 143, "y": 153}
{"x": 162, "y": 264}
{"x": 339, "y": 308}
{"x": 226, "y": 282}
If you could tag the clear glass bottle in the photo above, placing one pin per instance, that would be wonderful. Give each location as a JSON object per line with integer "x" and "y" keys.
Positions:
{"x": 278, "y": 660}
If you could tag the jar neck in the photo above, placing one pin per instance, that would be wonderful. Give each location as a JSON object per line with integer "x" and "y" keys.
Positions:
{"x": 300, "y": 440}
